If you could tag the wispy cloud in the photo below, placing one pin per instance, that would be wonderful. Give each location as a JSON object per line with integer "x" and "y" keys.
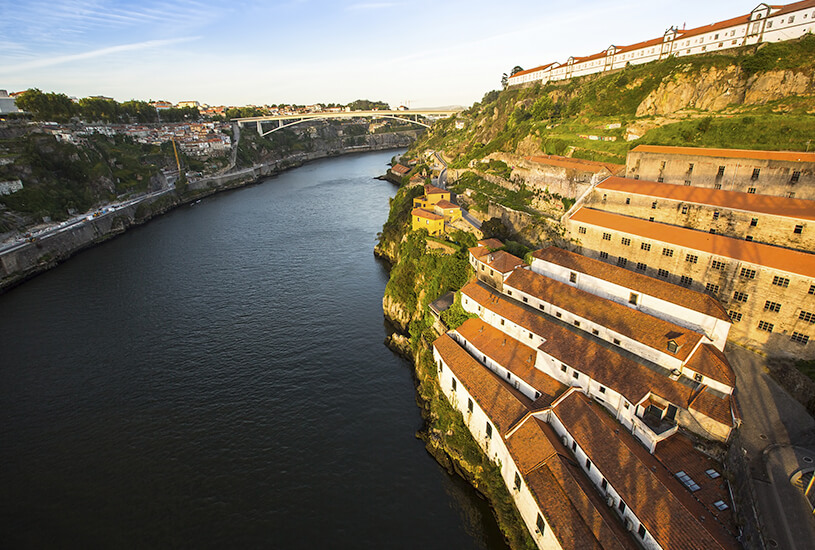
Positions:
{"x": 373, "y": 6}
{"x": 60, "y": 60}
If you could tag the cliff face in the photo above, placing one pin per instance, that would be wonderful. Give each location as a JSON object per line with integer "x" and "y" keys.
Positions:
{"x": 717, "y": 88}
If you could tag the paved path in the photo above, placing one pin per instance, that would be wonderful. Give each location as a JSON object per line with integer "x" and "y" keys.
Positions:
{"x": 778, "y": 436}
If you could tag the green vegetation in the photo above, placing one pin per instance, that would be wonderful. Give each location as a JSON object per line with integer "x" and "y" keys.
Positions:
{"x": 367, "y": 105}
{"x": 454, "y": 316}
{"x": 807, "y": 367}
{"x": 484, "y": 191}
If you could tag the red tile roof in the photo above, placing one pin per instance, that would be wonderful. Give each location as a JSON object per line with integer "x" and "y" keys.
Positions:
{"x": 740, "y": 20}
{"x": 501, "y": 261}
{"x": 433, "y": 190}
{"x": 511, "y": 354}
{"x": 446, "y": 205}
{"x": 748, "y": 202}
{"x": 640, "y": 327}
{"x": 793, "y": 7}
{"x": 400, "y": 169}
{"x": 503, "y": 405}
{"x": 422, "y": 213}
{"x": 791, "y": 156}
{"x": 494, "y": 244}
{"x": 528, "y": 71}
{"x": 664, "y": 506}
{"x": 580, "y": 165}
{"x": 478, "y": 251}
{"x": 711, "y": 362}
{"x": 782, "y": 259}
{"x": 697, "y": 301}
{"x": 645, "y": 44}
{"x": 714, "y": 405}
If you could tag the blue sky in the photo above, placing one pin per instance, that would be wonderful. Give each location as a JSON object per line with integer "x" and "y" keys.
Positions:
{"x": 427, "y": 53}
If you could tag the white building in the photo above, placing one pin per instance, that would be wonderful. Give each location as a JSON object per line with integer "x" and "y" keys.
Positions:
{"x": 766, "y": 23}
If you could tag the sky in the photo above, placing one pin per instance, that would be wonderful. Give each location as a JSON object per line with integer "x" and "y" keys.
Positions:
{"x": 419, "y": 53}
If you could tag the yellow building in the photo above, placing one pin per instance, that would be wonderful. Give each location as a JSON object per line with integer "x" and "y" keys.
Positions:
{"x": 424, "y": 219}
{"x": 450, "y": 212}
{"x": 432, "y": 195}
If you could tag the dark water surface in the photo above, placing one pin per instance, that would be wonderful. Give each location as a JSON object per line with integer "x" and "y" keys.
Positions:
{"x": 217, "y": 378}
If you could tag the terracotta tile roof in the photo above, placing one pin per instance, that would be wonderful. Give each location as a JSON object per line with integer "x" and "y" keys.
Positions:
{"x": 577, "y": 515}
{"x": 433, "y": 190}
{"x": 740, "y": 20}
{"x": 533, "y": 70}
{"x": 400, "y": 169}
{"x": 577, "y": 164}
{"x": 494, "y": 244}
{"x": 501, "y": 261}
{"x": 782, "y": 259}
{"x": 711, "y": 362}
{"x": 664, "y": 506}
{"x": 714, "y": 405}
{"x": 422, "y": 213}
{"x": 678, "y": 455}
{"x": 637, "y": 325}
{"x": 696, "y": 301}
{"x": 511, "y": 354}
{"x": 645, "y": 44}
{"x": 748, "y": 202}
{"x": 446, "y": 205}
{"x": 503, "y": 405}
{"x": 478, "y": 251}
{"x": 625, "y": 376}
{"x": 791, "y": 156}
{"x": 789, "y": 8}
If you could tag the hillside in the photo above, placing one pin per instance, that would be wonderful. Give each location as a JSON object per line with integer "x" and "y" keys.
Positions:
{"x": 757, "y": 97}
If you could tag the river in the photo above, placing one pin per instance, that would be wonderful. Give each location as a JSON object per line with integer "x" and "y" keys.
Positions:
{"x": 217, "y": 378}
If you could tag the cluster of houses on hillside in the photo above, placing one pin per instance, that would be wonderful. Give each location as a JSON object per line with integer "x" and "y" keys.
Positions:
{"x": 590, "y": 388}
{"x": 765, "y": 23}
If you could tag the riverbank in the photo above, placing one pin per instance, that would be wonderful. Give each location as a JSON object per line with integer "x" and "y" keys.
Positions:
{"x": 34, "y": 258}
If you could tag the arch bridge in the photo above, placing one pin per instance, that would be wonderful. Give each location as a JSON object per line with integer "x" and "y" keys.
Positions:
{"x": 285, "y": 121}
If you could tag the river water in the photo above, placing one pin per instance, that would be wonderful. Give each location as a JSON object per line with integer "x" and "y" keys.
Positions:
{"x": 217, "y": 378}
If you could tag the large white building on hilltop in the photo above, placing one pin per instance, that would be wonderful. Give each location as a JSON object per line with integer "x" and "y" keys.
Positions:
{"x": 765, "y": 23}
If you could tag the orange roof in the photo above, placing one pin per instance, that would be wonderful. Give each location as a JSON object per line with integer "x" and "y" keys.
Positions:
{"x": 782, "y": 259}
{"x": 478, "y": 251}
{"x": 573, "y": 508}
{"x": 644, "y": 44}
{"x": 502, "y": 404}
{"x": 433, "y": 190}
{"x": 446, "y": 205}
{"x": 749, "y": 202}
{"x": 637, "y": 325}
{"x": 514, "y": 356}
{"x": 790, "y": 156}
{"x": 793, "y": 7}
{"x": 422, "y": 213}
{"x": 697, "y": 301}
{"x": 664, "y": 506}
{"x": 494, "y": 244}
{"x": 500, "y": 260}
{"x": 714, "y": 405}
{"x": 711, "y": 362}
{"x": 740, "y": 20}
{"x": 400, "y": 169}
{"x": 577, "y": 164}
{"x": 540, "y": 68}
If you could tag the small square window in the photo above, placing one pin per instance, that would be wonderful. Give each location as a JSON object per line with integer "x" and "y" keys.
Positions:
{"x": 691, "y": 258}
{"x": 572, "y": 277}
{"x": 754, "y": 222}
{"x": 684, "y": 280}
{"x": 796, "y": 175}
{"x": 798, "y": 229}
{"x": 772, "y": 306}
{"x": 646, "y": 247}
{"x": 751, "y": 190}
{"x": 663, "y": 273}
{"x": 616, "y": 341}
{"x": 602, "y": 389}
{"x": 581, "y": 230}
{"x": 642, "y": 266}
{"x": 756, "y": 172}
{"x": 576, "y": 375}
{"x": 562, "y": 367}
{"x": 740, "y": 296}
{"x": 716, "y": 264}
{"x": 654, "y": 205}
{"x": 763, "y": 325}
{"x": 799, "y": 338}
{"x": 604, "y": 255}
{"x": 748, "y": 273}
{"x": 715, "y": 214}
{"x": 781, "y": 281}
{"x": 668, "y": 252}
{"x": 735, "y": 316}
{"x": 626, "y": 241}
{"x": 633, "y": 298}
{"x": 720, "y": 173}
{"x": 684, "y": 208}
{"x": 628, "y": 200}
{"x": 606, "y": 236}
{"x": 622, "y": 261}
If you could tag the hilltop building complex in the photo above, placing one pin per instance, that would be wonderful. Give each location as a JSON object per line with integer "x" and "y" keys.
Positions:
{"x": 765, "y": 23}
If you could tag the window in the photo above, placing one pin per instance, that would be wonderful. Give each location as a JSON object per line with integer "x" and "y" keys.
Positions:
{"x": 798, "y": 229}
{"x": 735, "y": 316}
{"x": 633, "y": 298}
{"x": 602, "y": 389}
{"x": 641, "y": 531}
{"x": 581, "y": 230}
{"x": 690, "y": 166}
{"x": 454, "y": 384}
{"x": 711, "y": 288}
{"x": 792, "y": 18}
{"x": 576, "y": 323}
{"x": 717, "y": 186}
{"x": 621, "y": 261}
{"x": 616, "y": 341}
{"x": 712, "y": 230}
{"x": 685, "y": 280}
{"x": 509, "y": 293}
{"x": 684, "y": 208}
{"x": 799, "y": 338}
{"x": 654, "y": 205}
{"x": 558, "y": 314}
{"x": 628, "y": 200}
{"x": 668, "y": 252}
{"x": 574, "y": 445}
{"x": 621, "y": 507}
{"x": 526, "y": 300}
{"x": 796, "y": 175}
{"x": 740, "y": 296}
{"x": 754, "y": 222}
{"x": 716, "y": 264}
{"x": 588, "y": 465}
{"x": 748, "y": 238}
{"x": 811, "y": 289}
{"x": 660, "y": 179}
{"x": 720, "y": 172}
{"x": 687, "y": 481}
{"x": 651, "y": 219}
{"x": 751, "y": 190}
{"x": 790, "y": 195}
{"x": 783, "y": 282}
{"x": 595, "y": 331}
{"x": 748, "y": 273}
{"x": 698, "y": 377}
{"x": 489, "y": 430}
{"x": 502, "y": 322}
{"x": 604, "y": 484}
{"x": 641, "y": 266}
{"x": 517, "y": 481}
{"x": 672, "y": 346}
{"x": 807, "y": 316}
{"x": 756, "y": 172}
{"x": 540, "y": 525}
{"x": 604, "y": 255}
{"x": 606, "y": 236}
{"x": 469, "y": 404}
{"x": 626, "y": 241}
{"x": 691, "y": 258}
{"x": 562, "y": 367}
{"x": 715, "y": 214}
{"x": 687, "y": 182}
{"x": 646, "y": 247}
{"x": 720, "y": 505}
{"x": 764, "y": 325}
{"x": 605, "y": 196}
{"x": 663, "y": 273}
{"x": 712, "y": 474}
{"x": 662, "y": 165}
{"x": 572, "y": 277}
{"x": 772, "y": 306}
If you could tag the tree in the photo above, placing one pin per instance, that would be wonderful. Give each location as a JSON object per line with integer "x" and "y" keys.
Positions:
{"x": 47, "y": 106}
{"x": 516, "y": 69}
{"x": 504, "y": 81}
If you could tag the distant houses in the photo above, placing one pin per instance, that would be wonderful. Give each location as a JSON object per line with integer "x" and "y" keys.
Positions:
{"x": 433, "y": 210}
